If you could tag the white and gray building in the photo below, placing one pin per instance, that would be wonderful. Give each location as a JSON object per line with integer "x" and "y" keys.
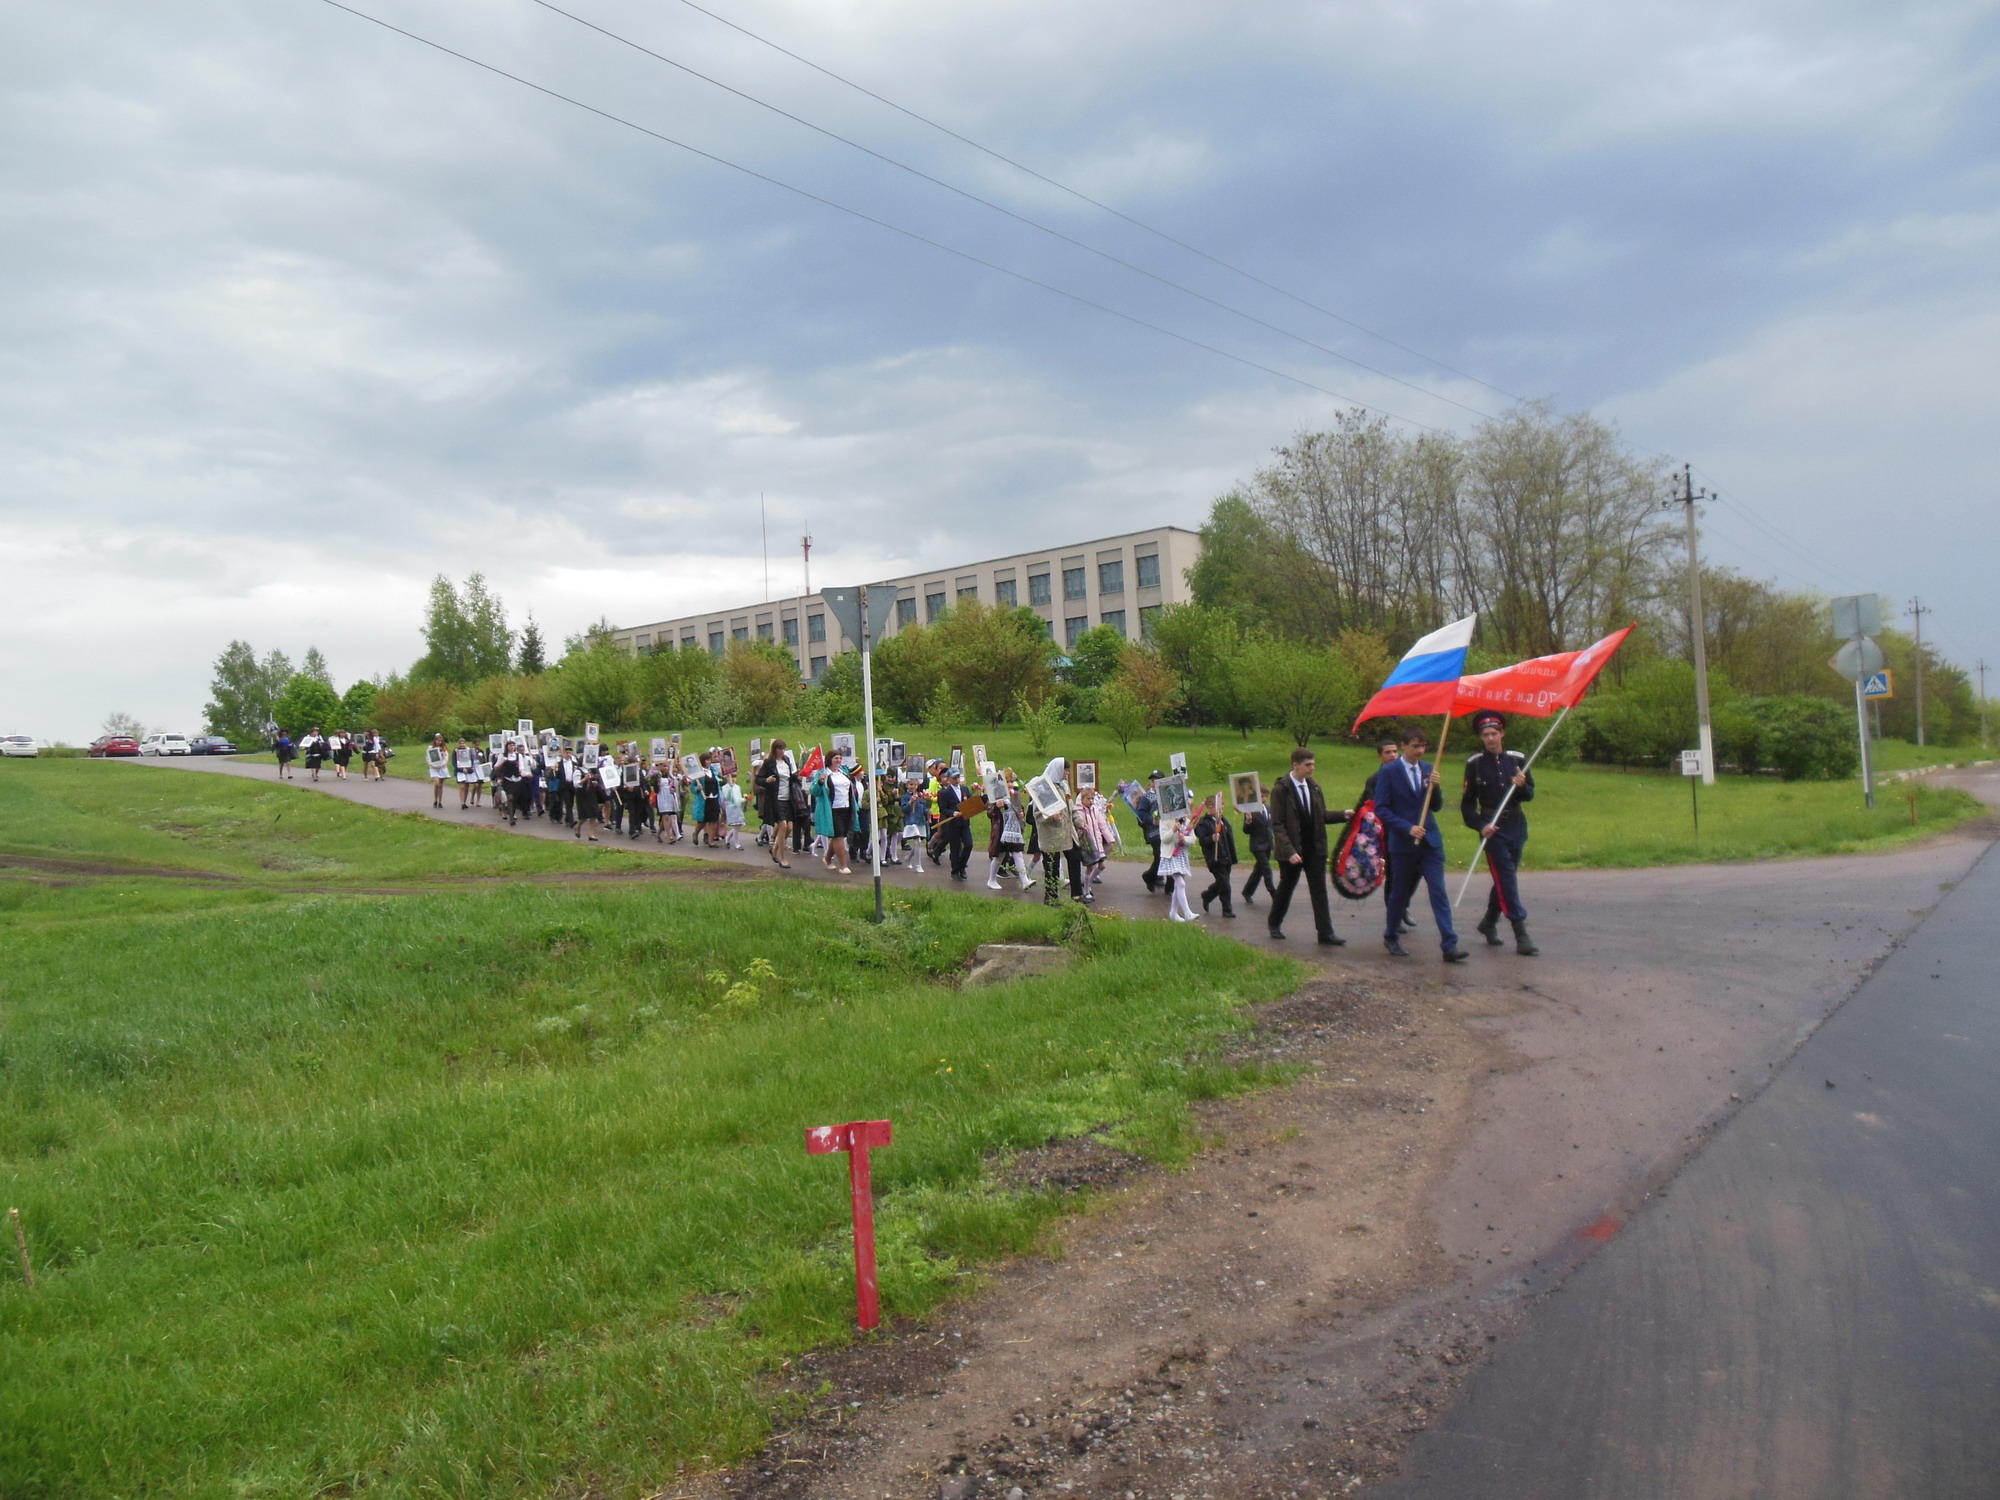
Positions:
{"x": 1120, "y": 581}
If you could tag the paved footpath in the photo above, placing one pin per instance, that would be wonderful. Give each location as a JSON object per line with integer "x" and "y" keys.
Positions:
{"x": 1664, "y": 1000}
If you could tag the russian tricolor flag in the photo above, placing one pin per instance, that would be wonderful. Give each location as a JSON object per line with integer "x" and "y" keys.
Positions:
{"x": 1426, "y": 679}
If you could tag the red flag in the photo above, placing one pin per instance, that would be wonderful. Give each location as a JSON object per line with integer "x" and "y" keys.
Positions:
{"x": 1540, "y": 686}
{"x": 813, "y": 762}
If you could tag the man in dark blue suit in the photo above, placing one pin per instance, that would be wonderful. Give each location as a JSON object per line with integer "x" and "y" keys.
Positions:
{"x": 1405, "y": 792}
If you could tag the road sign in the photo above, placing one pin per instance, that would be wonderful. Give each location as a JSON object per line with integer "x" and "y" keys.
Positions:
{"x": 1857, "y": 615}
{"x": 1880, "y": 684}
{"x": 1858, "y": 660}
{"x": 845, "y": 607}
{"x": 1690, "y": 762}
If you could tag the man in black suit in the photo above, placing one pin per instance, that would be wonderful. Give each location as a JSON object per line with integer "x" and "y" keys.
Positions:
{"x": 1298, "y": 837}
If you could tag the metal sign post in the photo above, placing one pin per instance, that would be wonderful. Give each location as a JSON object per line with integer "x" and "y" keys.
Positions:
{"x": 1692, "y": 763}
{"x": 1856, "y": 618}
{"x": 862, "y": 619}
{"x": 857, "y": 1138}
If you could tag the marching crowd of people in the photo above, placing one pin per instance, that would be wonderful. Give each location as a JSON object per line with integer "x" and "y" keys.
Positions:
{"x": 818, "y": 807}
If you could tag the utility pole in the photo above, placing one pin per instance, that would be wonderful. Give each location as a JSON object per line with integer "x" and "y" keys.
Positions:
{"x": 764, "y": 525}
{"x": 1697, "y": 622}
{"x": 1917, "y": 610}
{"x": 1982, "y": 703}
{"x": 806, "y": 542}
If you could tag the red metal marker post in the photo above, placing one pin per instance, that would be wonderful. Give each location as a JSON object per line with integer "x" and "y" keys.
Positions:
{"x": 857, "y": 1138}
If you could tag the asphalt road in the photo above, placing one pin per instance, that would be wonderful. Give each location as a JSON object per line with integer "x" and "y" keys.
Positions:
{"x": 1813, "y": 1308}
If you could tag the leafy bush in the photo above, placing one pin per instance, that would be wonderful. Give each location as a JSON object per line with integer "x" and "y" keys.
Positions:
{"x": 1802, "y": 738}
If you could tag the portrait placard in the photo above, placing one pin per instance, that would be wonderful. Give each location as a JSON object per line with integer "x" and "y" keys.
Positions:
{"x": 495, "y": 742}
{"x": 632, "y": 776}
{"x": 525, "y": 728}
{"x": 1177, "y": 763}
{"x": 843, "y": 746}
{"x": 590, "y": 734}
{"x": 958, "y": 759}
{"x": 691, "y": 765}
{"x": 756, "y": 749}
{"x": 979, "y": 757}
{"x": 659, "y": 747}
{"x": 729, "y": 760}
{"x": 1245, "y": 791}
{"x": 1174, "y": 797}
{"x": 590, "y": 756}
{"x": 1047, "y": 797}
{"x": 440, "y": 763}
{"x": 1085, "y": 773}
{"x": 996, "y": 785}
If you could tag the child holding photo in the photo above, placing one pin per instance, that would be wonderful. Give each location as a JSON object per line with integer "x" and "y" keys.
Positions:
{"x": 1175, "y": 839}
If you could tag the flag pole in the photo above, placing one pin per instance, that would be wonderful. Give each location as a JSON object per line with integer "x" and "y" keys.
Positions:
{"x": 1437, "y": 770}
{"x": 1507, "y": 797}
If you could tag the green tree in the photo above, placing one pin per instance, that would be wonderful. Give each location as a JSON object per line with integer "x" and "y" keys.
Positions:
{"x": 995, "y": 657}
{"x": 721, "y": 708}
{"x": 1040, "y": 722}
{"x": 1304, "y": 689}
{"x": 944, "y": 712}
{"x": 670, "y": 680}
{"x": 1150, "y": 683}
{"x": 315, "y": 667}
{"x": 240, "y": 696}
{"x": 908, "y": 668}
{"x": 1202, "y": 646}
{"x": 765, "y": 678}
{"x": 357, "y": 705}
{"x": 1096, "y": 656}
{"x": 306, "y": 703}
{"x": 465, "y": 634}
{"x": 595, "y": 685}
{"x": 1120, "y": 711}
{"x": 530, "y": 662}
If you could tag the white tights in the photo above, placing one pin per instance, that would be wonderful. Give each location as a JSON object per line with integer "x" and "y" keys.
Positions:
{"x": 1177, "y": 906}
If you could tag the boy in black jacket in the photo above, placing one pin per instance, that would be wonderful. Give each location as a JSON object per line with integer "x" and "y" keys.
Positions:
{"x": 1257, "y": 829}
{"x": 1218, "y": 852}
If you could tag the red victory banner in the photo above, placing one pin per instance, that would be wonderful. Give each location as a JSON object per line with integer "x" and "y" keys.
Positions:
{"x": 1540, "y": 685}
{"x": 857, "y": 1138}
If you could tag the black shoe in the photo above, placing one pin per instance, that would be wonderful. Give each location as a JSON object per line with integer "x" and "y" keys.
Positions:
{"x": 1490, "y": 930}
{"x": 1152, "y": 886}
{"x": 1277, "y": 933}
{"x": 1523, "y": 944}
{"x": 1455, "y": 955}
{"x": 1328, "y": 940}
{"x": 1395, "y": 947}
{"x": 1206, "y": 898}
{"x": 1408, "y": 925}
{"x": 1229, "y": 914}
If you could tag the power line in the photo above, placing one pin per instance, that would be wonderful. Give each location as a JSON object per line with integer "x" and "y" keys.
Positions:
{"x": 869, "y": 218}
{"x": 1019, "y": 218}
{"x": 1105, "y": 207}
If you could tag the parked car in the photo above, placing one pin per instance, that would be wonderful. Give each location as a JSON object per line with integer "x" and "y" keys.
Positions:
{"x": 164, "y": 744}
{"x": 210, "y": 744}
{"x": 19, "y": 744}
{"x": 113, "y": 744}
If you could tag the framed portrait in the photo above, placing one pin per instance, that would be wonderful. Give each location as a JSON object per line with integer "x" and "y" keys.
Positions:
{"x": 729, "y": 760}
{"x": 495, "y": 743}
{"x": 1047, "y": 797}
{"x": 631, "y": 776}
{"x": 659, "y": 747}
{"x": 589, "y": 757}
{"x": 995, "y": 784}
{"x": 958, "y": 759}
{"x": 756, "y": 749}
{"x": 1174, "y": 797}
{"x": 590, "y": 734}
{"x": 525, "y": 728}
{"x": 1177, "y": 763}
{"x": 842, "y": 744}
{"x": 1245, "y": 791}
{"x": 1084, "y": 772}
{"x": 439, "y": 761}
{"x": 979, "y": 758}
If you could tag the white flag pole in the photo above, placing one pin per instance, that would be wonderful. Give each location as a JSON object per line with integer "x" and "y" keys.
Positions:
{"x": 1508, "y": 797}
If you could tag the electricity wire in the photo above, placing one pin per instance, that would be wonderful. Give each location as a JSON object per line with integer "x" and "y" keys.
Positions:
{"x": 1084, "y": 197}
{"x": 1019, "y": 218}
{"x": 880, "y": 223}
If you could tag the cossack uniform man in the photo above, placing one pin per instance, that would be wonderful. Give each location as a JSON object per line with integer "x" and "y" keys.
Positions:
{"x": 1488, "y": 777}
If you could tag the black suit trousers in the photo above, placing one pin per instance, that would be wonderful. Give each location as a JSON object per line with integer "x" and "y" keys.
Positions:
{"x": 1314, "y": 872}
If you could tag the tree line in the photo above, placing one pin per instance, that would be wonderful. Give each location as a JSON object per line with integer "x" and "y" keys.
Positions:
{"x": 1314, "y": 577}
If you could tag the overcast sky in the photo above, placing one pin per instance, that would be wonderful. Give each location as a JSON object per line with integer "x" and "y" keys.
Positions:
{"x": 296, "y": 312}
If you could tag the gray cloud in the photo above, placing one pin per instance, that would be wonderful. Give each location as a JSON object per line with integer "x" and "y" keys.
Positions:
{"x": 298, "y": 313}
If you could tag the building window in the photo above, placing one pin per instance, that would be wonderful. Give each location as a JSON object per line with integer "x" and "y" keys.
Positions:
{"x": 715, "y": 643}
{"x": 1115, "y": 618}
{"x": 1050, "y": 627}
{"x": 969, "y": 593}
{"x": 815, "y": 627}
{"x": 906, "y": 612}
{"x": 1149, "y": 619}
{"x": 791, "y": 628}
{"x": 1038, "y": 588}
{"x": 818, "y": 668}
{"x": 763, "y": 630}
{"x": 1111, "y": 577}
{"x": 1004, "y": 594}
{"x": 739, "y": 632}
{"x": 687, "y": 639}
{"x": 1072, "y": 583}
{"x": 933, "y": 607}
{"x": 1073, "y": 627}
{"x": 642, "y": 640}
{"x": 1149, "y": 571}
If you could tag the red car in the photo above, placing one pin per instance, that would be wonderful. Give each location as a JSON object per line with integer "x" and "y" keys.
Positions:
{"x": 113, "y": 744}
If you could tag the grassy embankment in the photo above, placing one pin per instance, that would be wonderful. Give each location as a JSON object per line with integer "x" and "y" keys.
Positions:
{"x": 496, "y": 1189}
{"x": 1585, "y": 817}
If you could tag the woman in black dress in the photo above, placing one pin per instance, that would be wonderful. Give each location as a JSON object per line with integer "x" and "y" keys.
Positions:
{"x": 775, "y": 781}
{"x": 343, "y": 751}
{"x": 589, "y": 804}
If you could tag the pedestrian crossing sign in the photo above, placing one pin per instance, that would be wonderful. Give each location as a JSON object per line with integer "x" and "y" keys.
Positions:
{"x": 1880, "y": 684}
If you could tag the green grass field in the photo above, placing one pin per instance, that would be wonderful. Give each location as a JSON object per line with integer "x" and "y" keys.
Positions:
{"x": 1585, "y": 817}
{"x": 498, "y": 1189}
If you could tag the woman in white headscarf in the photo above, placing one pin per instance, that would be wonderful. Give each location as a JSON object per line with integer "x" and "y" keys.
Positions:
{"x": 1055, "y": 832}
